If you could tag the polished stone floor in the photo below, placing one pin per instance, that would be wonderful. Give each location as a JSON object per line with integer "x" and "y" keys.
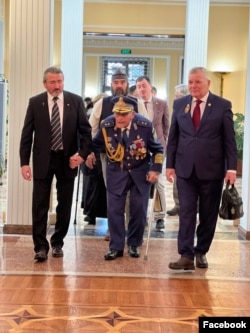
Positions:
{"x": 82, "y": 292}
{"x": 86, "y": 242}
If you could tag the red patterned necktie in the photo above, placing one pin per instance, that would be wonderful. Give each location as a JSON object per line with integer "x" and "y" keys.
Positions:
{"x": 197, "y": 114}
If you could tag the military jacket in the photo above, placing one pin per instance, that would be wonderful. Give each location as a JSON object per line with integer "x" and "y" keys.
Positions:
{"x": 141, "y": 153}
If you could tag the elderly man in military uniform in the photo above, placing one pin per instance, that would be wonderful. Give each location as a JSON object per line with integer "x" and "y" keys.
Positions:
{"x": 134, "y": 161}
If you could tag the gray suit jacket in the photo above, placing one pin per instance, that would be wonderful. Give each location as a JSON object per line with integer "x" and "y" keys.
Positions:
{"x": 161, "y": 120}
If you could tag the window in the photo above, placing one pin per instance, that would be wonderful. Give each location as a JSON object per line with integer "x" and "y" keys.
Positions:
{"x": 134, "y": 67}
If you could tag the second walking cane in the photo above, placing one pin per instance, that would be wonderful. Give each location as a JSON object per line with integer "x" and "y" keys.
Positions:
{"x": 77, "y": 191}
{"x": 151, "y": 216}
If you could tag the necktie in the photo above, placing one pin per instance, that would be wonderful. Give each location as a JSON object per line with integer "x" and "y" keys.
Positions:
{"x": 146, "y": 105}
{"x": 197, "y": 114}
{"x": 56, "y": 135}
{"x": 125, "y": 136}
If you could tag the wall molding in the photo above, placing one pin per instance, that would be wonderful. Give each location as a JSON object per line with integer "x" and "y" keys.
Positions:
{"x": 131, "y": 42}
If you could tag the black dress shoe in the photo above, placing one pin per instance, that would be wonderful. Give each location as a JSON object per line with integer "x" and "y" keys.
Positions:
{"x": 57, "y": 252}
{"x": 41, "y": 255}
{"x": 113, "y": 254}
{"x": 133, "y": 251}
{"x": 160, "y": 224}
{"x": 201, "y": 260}
{"x": 90, "y": 219}
{"x": 183, "y": 263}
{"x": 107, "y": 237}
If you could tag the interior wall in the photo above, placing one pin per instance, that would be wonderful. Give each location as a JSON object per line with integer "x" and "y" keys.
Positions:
{"x": 227, "y": 51}
{"x": 92, "y": 74}
{"x": 145, "y": 18}
{"x": 227, "y": 45}
{"x": 227, "y": 40}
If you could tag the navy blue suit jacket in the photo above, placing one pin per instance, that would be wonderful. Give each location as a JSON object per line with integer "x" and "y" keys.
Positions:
{"x": 212, "y": 149}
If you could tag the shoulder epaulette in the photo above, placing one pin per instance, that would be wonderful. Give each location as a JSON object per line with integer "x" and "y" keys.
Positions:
{"x": 143, "y": 122}
{"x": 107, "y": 123}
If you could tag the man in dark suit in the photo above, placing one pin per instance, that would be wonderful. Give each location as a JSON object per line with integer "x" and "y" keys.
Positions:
{"x": 134, "y": 161}
{"x": 50, "y": 159}
{"x": 201, "y": 152}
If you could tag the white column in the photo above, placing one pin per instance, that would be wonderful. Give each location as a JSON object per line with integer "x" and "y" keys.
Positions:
{"x": 2, "y": 37}
{"x": 196, "y": 37}
{"x": 244, "y": 227}
{"x": 29, "y": 54}
{"x": 2, "y": 47}
{"x": 72, "y": 44}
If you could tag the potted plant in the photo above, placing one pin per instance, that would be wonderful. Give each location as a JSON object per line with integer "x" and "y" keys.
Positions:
{"x": 2, "y": 165}
{"x": 239, "y": 137}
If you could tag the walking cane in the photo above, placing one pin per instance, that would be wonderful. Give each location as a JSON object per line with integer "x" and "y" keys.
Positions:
{"x": 151, "y": 216}
{"x": 77, "y": 190}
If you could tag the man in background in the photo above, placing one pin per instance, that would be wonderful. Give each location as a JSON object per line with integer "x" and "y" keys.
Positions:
{"x": 159, "y": 115}
{"x": 132, "y": 91}
{"x": 180, "y": 91}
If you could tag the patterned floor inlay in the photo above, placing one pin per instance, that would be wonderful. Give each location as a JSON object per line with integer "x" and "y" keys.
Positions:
{"x": 30, "y": 318}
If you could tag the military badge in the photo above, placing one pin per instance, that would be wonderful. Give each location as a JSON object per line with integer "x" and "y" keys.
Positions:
{"x": 137, "y": 149}
{"x": 187, "y": 108}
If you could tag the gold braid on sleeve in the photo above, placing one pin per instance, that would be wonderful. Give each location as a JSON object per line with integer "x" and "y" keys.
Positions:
{"x": 114, "y": 155}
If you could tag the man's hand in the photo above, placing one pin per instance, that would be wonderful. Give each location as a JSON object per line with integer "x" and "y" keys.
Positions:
{"x": 75, "y": 160}
{"x": 231, "y": 177}
{"x": 170, "y": 175}
{"x": 26, "y": 172}
{"x": 152, "y": 176}
{"x": 90, "y": 161}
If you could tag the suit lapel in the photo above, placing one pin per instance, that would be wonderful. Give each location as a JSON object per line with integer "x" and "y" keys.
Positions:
{"x": 44, "y": 106}
{"x": 187, "y": 113}
{"x": 66, "y": 109}
{"x": 207, "y": 110}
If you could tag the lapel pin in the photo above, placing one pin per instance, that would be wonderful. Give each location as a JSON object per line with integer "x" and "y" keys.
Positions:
{"x": 187, "y": 108}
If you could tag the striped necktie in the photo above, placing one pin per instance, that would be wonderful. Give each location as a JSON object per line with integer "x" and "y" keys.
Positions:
{"x": 56, "y": 134}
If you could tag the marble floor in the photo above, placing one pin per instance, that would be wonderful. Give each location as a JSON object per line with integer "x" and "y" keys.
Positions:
{"x": 82, "y": 292}
{"x": 87, "y": 243}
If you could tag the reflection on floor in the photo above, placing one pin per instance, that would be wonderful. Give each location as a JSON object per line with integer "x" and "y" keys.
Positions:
{"x": 82, "y": 292}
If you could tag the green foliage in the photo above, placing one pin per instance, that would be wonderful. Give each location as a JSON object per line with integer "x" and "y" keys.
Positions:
{"x": 2, "y": 165}
{"x": 239, "y": 133}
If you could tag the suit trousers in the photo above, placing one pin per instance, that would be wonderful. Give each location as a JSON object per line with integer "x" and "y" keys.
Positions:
{"x": 104, "y": 166}
{"x": 137, "y": 216}
{"x": 161, "y": 189}
{"x": 209, "y": 194}
{"x": 41, "y": 202}
{"x": 94, "y": 191}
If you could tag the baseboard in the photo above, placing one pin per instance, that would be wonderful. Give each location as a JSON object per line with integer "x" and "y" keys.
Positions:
{"x": 17, "y": 229}
{"x": 243, "y": 233}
